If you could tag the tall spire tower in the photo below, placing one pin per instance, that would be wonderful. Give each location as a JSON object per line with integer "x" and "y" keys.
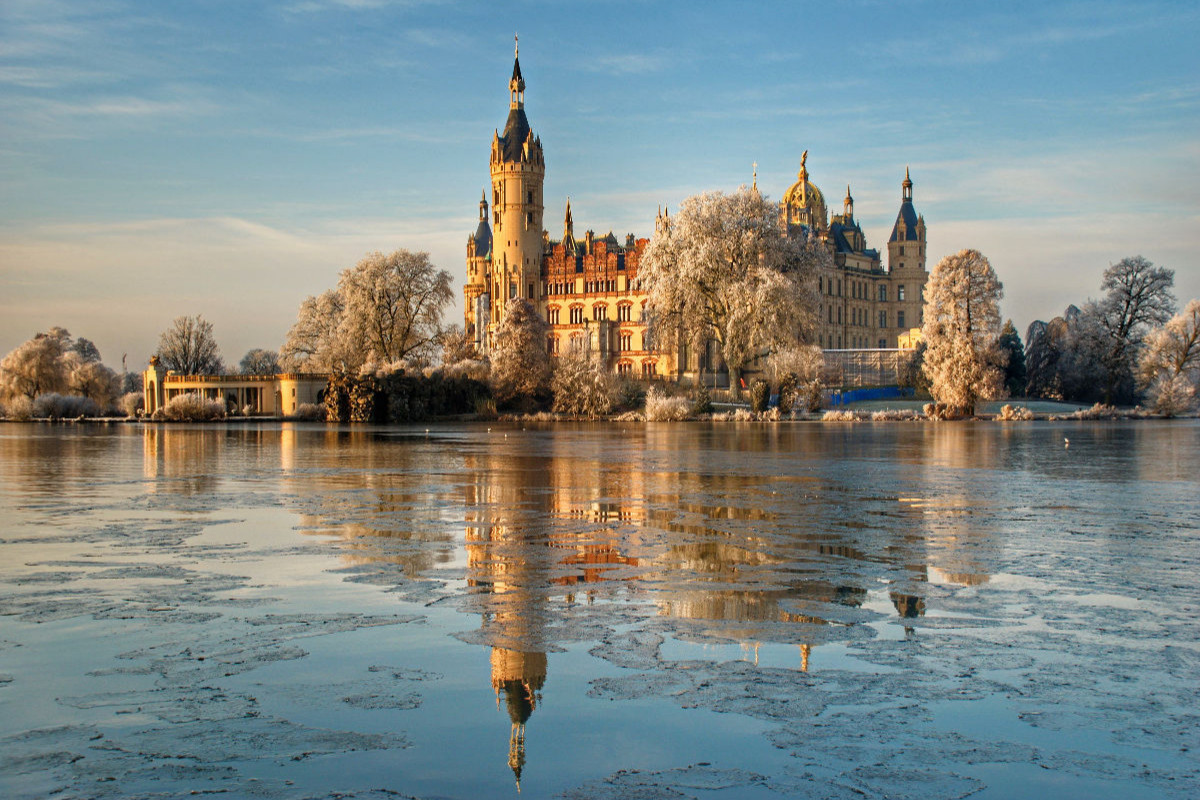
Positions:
{"x": 518, "y": 171}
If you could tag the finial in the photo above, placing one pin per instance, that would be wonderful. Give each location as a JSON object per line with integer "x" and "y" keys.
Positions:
{"x": 804, "y": 160}
{"x": 755, "y": 165}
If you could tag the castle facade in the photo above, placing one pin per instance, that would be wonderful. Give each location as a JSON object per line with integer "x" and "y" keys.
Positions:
{"x": 587, "y": 290}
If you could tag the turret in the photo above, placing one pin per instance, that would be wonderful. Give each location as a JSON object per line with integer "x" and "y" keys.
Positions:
{"x": 906, "y": 262}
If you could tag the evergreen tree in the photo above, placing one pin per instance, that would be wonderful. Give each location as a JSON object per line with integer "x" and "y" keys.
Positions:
{"x": 1014, "y": 370}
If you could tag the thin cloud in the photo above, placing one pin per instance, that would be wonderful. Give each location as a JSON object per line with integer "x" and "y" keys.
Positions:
{"x": 627, "y": 64}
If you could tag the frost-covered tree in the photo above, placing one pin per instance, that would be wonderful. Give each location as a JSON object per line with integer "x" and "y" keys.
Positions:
{"x": 314, "y": 343}
{"x": 1043, "y": 348}
{"x": 1169, "y": 368}
{"x": 520, "y": 359}
{"x": 457, "y": 346}
{"x": 35, "y": 367}
{"x": 961, "y": 332}
{"x": 189, "y": 348}
{"x": 54, "y": 363}
{"x": 723, "y": 269}
{"x": 1082, "y": 372}
{"x": 1014, "y": 370}
{"x": 86, "y": 349}
{"x": 92, "y": 379}
{"x": 386, "y": 309}
{"x": 394, "y": 305}
{"x": 259, "y": 362}
{"x": 582, "y": 385}
{"x": 1138, "y": 297}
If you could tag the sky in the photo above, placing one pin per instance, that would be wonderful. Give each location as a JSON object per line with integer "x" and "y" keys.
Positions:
{"x": 229, "y": 158}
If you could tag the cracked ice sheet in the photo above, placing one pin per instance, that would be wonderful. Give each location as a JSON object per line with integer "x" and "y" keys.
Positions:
{"x": 1025, "y": 682}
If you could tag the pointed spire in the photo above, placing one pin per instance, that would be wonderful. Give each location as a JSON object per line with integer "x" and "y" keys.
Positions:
{"x": 568, "y": 223}
{"x": 516, "y": 86}
{"x": 483, "y": 206}
{"x": 908, "y": 184}
{"x": 754, "y": 186}
{"x": 849, "y": 204}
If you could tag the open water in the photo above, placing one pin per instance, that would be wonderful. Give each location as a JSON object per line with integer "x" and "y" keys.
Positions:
{"x": 725, "y": 610}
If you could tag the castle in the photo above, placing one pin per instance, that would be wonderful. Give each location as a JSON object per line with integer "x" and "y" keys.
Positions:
{"x": 587, "y": 290}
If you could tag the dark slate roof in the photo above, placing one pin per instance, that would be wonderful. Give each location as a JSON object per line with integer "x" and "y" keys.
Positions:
{"x": 838, "y": 232}
{"x": 516, "y": 131}
{"x": 517, "y": 70}
{"x": 908, "y": 219}
{"x": 483, "y": 239}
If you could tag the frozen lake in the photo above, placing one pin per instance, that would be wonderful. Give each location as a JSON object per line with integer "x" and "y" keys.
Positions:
{"x": 601, "y": 611}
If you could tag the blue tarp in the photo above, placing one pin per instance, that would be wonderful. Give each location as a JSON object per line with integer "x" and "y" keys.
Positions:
{"x": 876, "y": 393}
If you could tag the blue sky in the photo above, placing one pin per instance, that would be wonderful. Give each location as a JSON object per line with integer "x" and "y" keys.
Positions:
{"x": 229, "y": 158}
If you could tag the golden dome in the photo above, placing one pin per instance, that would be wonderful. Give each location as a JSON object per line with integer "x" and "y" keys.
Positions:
{"x": 804, "y": 202}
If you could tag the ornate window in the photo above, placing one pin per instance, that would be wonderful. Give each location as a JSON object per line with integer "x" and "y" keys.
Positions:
{"x": 623, "y": 312}
{"x": 626, "y": 342}
{"x": 599, "y": 311}
{"x": 649, "y": 369}
{"x": 552, "y": 316}
{"x": 576, "y": 315}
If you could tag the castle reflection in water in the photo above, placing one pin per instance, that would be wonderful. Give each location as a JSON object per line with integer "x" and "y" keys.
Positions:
{"x": 731, "y": 541}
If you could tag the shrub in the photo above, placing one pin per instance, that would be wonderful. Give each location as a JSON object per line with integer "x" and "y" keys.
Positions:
{"x": 310, "y": 412}
{"x": 789, "y": 392}
{"x": 1009, "y": 413}
{"x": 191, "y": 407}
{"x": 57, "y": 406}
{"x": 661, "y": 408}
{"x": 813, "y": 396}
{"x": 703, "y": 402}
{"x": 760, "y": 395}
{"x": 894, "y": 415}
{"x": 132, "y": 403}
{"x": 631, "y": 395}
{"x": 485, "y": 407}
{"x": 938, "y": 411}
{"x": 20, "y": 409}
{"x": 467, "y": 368}
{"x": 582, "y": 386}
{"x": 844, "y": 415}
{"x": 1098, "y": 411}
